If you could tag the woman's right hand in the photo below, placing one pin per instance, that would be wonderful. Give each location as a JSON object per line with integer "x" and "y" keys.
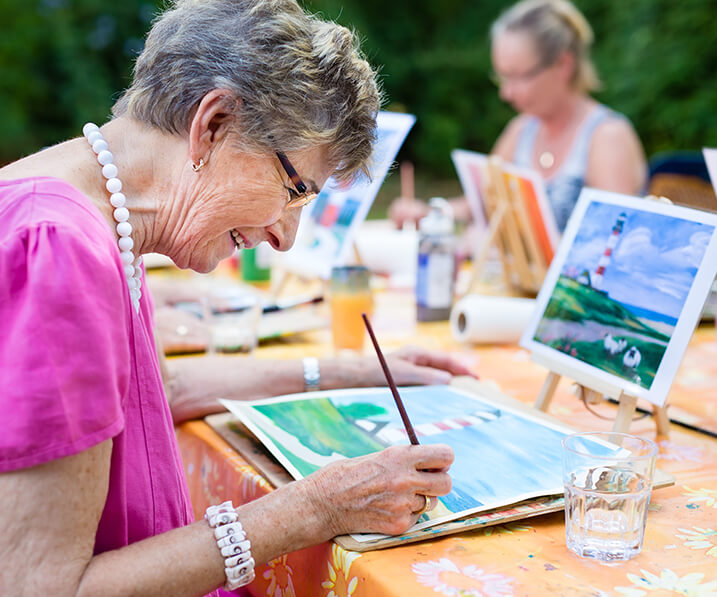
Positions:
{"x": 404, "y": 210}
{"x": 381, "y": 492}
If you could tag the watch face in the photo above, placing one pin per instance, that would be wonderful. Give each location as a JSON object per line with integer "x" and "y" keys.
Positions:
{"x": 312, "y": 376}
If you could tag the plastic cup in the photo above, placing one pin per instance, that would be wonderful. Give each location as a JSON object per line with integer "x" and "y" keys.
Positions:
{"x": 608, "y": 479}
{"x": 350, "y": 297}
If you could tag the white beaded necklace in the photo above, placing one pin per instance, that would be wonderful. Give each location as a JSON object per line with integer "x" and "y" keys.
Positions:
{"x": 132, "y": 266}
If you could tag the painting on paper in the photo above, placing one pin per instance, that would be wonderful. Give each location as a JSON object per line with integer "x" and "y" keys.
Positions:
{"x": 502, "y": 456}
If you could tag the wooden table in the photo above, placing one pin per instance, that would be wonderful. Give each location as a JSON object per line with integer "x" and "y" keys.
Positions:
{"x": 522, "y": 558}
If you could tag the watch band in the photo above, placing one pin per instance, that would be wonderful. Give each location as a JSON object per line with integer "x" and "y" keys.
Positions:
{"x": 312, "y": 376}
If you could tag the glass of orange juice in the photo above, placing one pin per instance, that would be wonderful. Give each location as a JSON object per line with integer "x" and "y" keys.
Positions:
{"x": 350, "y": 296}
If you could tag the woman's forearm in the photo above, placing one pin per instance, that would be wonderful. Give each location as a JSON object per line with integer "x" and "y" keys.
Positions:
{"x": 187, "y": 561}
{"x": 194, "y": 384}
{"x": 181, "y": 562}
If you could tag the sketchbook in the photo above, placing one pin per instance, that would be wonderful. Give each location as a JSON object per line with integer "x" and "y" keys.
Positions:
{"x": 508, "y": 456}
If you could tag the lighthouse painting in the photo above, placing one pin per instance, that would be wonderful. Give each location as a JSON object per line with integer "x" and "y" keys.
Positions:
{"x": 630, "y": 277}
{"x": 597, "y": 280}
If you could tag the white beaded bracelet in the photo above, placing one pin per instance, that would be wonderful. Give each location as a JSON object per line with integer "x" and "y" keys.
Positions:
{"x": 233, "y": 545}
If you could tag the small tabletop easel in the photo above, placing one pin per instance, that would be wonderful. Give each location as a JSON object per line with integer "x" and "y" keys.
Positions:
{"x": 627, "y": 405}
{"x": 510, "y": 231}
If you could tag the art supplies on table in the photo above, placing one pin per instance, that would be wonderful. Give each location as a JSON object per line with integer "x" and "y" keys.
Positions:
{"x": 507, "y": 466}
{"x": 256, "y": 263}
{"x": 435, "y": 274}
{"x": 328, "y": 226}
{"x": 278, "y": 319}
{"x": 483, "y": 319}
{"x": 385, "y": 250}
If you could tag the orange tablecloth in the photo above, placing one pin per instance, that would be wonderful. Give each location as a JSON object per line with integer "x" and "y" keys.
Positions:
{"x": 524, "y": 558}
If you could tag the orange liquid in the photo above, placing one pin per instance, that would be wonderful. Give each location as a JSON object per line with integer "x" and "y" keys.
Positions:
{"x": 346, "y": 323}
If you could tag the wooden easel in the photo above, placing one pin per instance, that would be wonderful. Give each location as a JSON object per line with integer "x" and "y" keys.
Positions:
{"x": 627, "y": 405}
{"x": 510, "y": 231}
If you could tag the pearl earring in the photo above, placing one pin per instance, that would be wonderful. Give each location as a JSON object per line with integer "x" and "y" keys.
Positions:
{"x": 199, "y": 166}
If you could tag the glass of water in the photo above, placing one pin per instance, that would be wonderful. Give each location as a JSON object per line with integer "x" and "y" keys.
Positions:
{"x": 608, "y": 479}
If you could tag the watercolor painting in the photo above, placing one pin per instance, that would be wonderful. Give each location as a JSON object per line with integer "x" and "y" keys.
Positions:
{"x": 328, "y": 225}
{"x": 616, "y": 296}
{"x": 502, "y": 455}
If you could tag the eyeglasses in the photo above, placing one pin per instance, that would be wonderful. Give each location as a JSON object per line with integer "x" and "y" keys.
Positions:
{"x": 519, "y": 78}
{"x": 301, "y": 196}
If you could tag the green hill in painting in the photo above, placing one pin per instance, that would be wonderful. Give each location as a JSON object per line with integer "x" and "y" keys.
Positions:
{"x": 321, "y": 427}
{"x": 568, "y": 325}
{"x": 572, "y": 301}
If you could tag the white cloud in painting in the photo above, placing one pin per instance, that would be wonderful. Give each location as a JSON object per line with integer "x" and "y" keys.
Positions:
{"x": 636, "y": 242}
{"x": 675, "y": 285}
{"x": 689, "y": 255}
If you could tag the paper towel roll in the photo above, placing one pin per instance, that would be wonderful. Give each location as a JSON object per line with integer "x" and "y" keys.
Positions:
{"x": 490, "y": 319}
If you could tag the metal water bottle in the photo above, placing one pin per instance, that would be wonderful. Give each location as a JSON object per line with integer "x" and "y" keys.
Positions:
{"x": 436, "y": 262}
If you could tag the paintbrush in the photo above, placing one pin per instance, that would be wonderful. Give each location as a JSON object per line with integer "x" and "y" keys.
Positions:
{"x": 391, "y": 384}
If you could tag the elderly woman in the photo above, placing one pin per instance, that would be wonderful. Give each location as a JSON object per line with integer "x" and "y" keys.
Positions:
{"x": 541, "y": 58}
{"x": 238, "y": 112}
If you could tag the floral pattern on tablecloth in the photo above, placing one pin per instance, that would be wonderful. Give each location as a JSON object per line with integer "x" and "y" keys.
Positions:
{"x": 448, "y": 578}
{"x": 708, "y": 497}
{"x": 340, "y": 582}
{"x": 279, "y": 574}
{"x": 647, "y": 583}
{"x": 700, "y": 539}
{"x": 679, "y": 452}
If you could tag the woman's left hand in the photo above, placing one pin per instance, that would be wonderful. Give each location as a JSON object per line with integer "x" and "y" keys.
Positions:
{"x": 412, "y": 365}
{"x": 409, "y": 365}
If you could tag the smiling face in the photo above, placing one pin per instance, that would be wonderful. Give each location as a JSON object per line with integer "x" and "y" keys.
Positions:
{"x": 238, "y": 195}
{"x": 526, "y": 82}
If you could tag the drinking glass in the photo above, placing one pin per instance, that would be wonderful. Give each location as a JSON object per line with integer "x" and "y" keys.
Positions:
{"x": 350, "y": 296}
{"x": 608, "y": 479}
{"x": 234, "y": 327}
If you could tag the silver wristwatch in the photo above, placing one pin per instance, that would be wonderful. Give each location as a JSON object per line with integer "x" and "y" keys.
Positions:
{"x": 312, "y": 377}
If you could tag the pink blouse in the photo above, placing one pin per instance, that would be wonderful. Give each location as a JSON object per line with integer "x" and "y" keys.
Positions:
{"x": 77, "y": 364}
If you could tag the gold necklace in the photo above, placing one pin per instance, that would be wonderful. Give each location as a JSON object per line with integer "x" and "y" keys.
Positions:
{"x": 546, "y": 159}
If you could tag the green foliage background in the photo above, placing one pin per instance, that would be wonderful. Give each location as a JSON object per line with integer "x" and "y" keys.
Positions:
{"x": 63, "y": 62}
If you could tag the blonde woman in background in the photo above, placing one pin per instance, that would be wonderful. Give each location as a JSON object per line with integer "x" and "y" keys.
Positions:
{"x": 541, "y": 59}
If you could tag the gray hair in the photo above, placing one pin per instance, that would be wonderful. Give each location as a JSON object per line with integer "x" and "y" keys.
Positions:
{"x": 300, "y": 82}
{"x": 555, "y": 26}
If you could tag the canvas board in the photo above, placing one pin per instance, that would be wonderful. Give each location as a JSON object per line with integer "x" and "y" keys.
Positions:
{"x": 503, "y": 455}
{"x": 710, "y": 155}
{"x": 624, "y": 293}
{"x": 523, "y": 182}
{"x": 329, "y": 225}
